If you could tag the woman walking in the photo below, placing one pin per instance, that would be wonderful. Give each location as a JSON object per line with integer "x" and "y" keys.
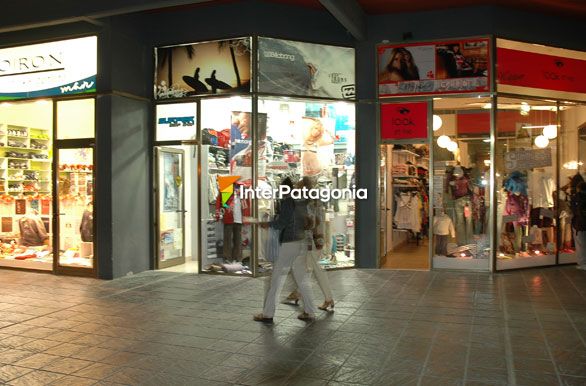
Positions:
{"x": 291, "y": 223}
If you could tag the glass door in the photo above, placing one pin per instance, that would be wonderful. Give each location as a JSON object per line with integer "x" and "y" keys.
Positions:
{"x": 170, "y": 231}
{"x": 74, "y": 238}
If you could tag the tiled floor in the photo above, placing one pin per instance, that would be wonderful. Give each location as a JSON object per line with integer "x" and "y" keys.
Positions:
{"x": 389, "y": 328}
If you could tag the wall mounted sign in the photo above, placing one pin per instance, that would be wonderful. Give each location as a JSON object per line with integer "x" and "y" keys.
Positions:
{"x": 217, "y": 67}
{"x": 176, "y": 121}
{"x": 530, "y": 66}
{"x": 403, "y": 120}
{"x": 527, "y": 159}
{"x": 49, "y": 69}
{"x": 455, "y": 66}
{"x": 305, "y": 69}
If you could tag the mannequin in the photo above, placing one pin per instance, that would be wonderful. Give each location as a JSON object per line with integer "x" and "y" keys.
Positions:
{"x": 86, "y": 228}
{"x": 443, "y": 227}
{"x": 460, "y": 186}
{"x": 541, "y": 199}
{"x": 232, "y": 214}
{"x": 517, "y": 208}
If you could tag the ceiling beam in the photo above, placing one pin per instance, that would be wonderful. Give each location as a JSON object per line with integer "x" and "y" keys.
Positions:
{"x": 350, "y": 14}
{"x": 91, "y": 12}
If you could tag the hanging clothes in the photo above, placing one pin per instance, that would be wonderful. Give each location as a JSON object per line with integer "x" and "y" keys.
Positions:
{"x": 408, "y": 214}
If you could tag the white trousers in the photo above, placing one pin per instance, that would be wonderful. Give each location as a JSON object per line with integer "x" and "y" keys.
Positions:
{"x": 291, "y": 256}
{"x": 320, "y": 275}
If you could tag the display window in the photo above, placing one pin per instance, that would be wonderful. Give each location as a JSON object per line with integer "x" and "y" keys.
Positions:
{"x": 226, "y": 151}
{"x": 312, "y": 143}
{"x": 26, "y": 132}
{"x": 29, "y": 158}
{"x": 572, "y": 170}
{"x": 506, "y": 168}
{"x": 249, "y": 143}
{"x": 460, "y": 223}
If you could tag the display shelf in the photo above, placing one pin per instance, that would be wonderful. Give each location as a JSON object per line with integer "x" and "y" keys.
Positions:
{"x": 27, "y": 140}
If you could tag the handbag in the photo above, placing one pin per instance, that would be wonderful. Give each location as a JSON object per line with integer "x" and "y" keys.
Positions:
{"x": 273, "y": 244}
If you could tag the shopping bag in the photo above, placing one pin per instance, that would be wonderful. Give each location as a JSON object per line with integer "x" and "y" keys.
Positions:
{"x": 273, "y": 245}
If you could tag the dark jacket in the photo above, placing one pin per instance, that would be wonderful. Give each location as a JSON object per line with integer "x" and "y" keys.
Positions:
{"x": 291, "y": 220}
{"x": 578, "y": 205}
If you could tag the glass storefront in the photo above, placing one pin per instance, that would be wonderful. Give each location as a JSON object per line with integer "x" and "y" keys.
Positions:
{"x": 248, "y": 141}
{"x": 461, "y": 183}
{"x": 32, "y": 153}
{"x": 504, "y": 166}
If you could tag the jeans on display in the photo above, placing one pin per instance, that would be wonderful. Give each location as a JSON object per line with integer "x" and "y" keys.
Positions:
{"x": 292, "y": 256}
{"x": 233, "y": 241}
{"x": 441, "y": 245}
{"x": 463, "y": 220}
{"x": 580, "y": 241}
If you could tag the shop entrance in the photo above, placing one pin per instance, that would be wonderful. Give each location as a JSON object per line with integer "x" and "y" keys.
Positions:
{"x": 404, "y": 206}
{"x": 176, "y": 196}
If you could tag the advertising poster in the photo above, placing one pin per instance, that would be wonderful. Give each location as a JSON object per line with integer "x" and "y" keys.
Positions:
{"x": 403, "y": 120}
{"x": 171, "y": 181}
{"x": 216, "y": 67}
{"x": 434, "y": 68}
{"x": 49, "y": 69}
{"x": 305, "y": 69}
{"x": 241, "y": 146}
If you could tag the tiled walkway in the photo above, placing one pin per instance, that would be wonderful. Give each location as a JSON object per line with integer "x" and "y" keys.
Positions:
{"x": 389, "y": 328}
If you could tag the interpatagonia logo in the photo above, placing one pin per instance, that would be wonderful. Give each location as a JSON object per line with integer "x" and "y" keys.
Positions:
{"x": 226, "y": 186}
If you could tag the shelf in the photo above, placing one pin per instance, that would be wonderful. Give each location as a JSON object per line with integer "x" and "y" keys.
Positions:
{"x": 403, "y": 151}
{"x": 23, "y": 148}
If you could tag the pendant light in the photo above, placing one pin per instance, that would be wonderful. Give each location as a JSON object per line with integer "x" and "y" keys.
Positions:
{"x": 443, "y": 141}
{"x": 541, "y": 141}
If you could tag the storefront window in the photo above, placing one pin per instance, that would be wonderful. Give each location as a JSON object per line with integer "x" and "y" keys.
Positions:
{"x": 572, "y": 142}
{"x": 526, "y": 175}
{"x": 315, "y": 140}
{"x": 75, "y": 119}
{"x": 226, "y": 151}
{"x": 461, "y": 183}
{"x": 26, "y": 131}
{"x": 76, "y": 207}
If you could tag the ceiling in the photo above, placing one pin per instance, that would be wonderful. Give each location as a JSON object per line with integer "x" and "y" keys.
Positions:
{"x": 566, "y": 7}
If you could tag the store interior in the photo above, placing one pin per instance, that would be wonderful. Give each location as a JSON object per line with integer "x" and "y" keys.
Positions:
{"x": 26, "y": 186}
{"x": 296, "y": 138}
{"x": 405, "y": 206}
{"x": 538, "y": 153}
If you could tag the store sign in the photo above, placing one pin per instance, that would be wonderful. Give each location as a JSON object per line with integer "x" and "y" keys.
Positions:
{"x": 217, "y": 67}
{"x": 49, "y": 69}
{"x": 176, "y": 121}
{"x": 536, "y": 70}
{"x": 403, "y": 120}
{"x": 527, "y": 159}
{"x": 456, "y": 66}
{"x": 305, "y": 69}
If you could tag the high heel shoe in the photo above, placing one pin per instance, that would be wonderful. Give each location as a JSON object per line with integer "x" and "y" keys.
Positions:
{"x": 327, "y": 305}
{"x": 293, "y": 298}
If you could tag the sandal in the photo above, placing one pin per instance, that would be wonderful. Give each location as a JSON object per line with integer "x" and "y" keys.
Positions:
{"x": 327, "y": 305}
{"x": 306, "y": 317}
{"x": 292, "y": 299}
{"x": 262, "y": 318}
